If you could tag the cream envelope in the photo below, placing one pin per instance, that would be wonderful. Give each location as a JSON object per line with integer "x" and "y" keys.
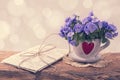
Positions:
{"x": 28, "y": 59}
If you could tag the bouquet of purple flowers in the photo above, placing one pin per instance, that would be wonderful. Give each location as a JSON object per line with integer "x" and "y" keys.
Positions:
{"x": 88, "y": 29}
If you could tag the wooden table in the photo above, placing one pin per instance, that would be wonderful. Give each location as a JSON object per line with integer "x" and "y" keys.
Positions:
{"x": 62, "y": 71}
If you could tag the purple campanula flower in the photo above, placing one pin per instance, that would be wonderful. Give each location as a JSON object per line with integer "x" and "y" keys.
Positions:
{"x": 67, "y": 19}
{"x": 109, "y": 35}
{"x": 95, "y": 21}
{"x": 112, "y": 27}
{"x": 86, "y": 30}
{"x": 70, "y": 39}
{"x": 90, "y": 27}
{"x": 68, "y": 23}
{"x": 73, "y": 42}
{"x": 91, "y": 14}
{"x": 89, "y": 18}
{"x": 74, "y": 19}
{"x": 115, "y": 34}
{"x": 104, "y": 24}
{"x": 71, "y": 20}
{"x": 78, "y": 28}
{"x": 62, "y": 34}
{"x": 64, "y": 31}
{"x": 70, "y": 34}
{"x": 86, "y": 20}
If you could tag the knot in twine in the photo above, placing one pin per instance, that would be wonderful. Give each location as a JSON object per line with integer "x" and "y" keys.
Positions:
{"x": 42, "y": 49}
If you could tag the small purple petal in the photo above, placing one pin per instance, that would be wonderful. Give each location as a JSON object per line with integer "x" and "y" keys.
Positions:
{"x": 73, "y": 42}
{"x": 70, "y": 34}
{"x": 68, "y": 19}
{"x": 78, "y": 28}
{"x": 104, "y": 24}
{"x": 62, "y": 34}
{"x": 109, "y": 35}
{"x": 66, "y": 29}
{"x": 115, "y": 34}
{"x": 86, "y": 20}
{"x": 90, "y": 27}
{"x": 100, "y": 25}
{"x": 91, "y": 14}
{"x": 86, "y": 30}
{"x": 112, "y": 27}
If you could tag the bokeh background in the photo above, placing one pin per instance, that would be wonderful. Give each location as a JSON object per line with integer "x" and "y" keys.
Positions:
{"x": 25, "y": 23}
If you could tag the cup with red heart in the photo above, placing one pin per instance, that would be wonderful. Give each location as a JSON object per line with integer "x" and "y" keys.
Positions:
{"x": 88, "y": 51}
{"x": 88, "y": 36}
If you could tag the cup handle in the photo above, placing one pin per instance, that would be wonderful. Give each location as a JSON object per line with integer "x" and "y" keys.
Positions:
{"x": 105, "y": 45}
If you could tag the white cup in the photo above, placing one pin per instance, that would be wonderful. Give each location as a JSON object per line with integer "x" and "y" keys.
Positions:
{"x": 80, "y": 55}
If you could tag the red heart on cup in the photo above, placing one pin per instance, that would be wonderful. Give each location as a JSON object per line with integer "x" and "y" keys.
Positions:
{"x": 87, "y": 47}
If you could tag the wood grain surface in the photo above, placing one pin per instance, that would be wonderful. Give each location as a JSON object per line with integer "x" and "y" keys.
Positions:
{"x": 62, "y": 71}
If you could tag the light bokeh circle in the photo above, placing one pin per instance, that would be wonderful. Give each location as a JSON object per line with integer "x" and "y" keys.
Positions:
{"x": 87, "y": 3}
{"x": 39, "y": 31}
{"x": 56, "y": 19}
{"x": 4, "y": 29}
{"x": 47, "y": 12}
{"x": 68, "y": 5}
{"x": 2, "y": 44}
{"x": 102, "y": 10}
{"x": 16, "y": 8}
{"x": 14, "y": 39}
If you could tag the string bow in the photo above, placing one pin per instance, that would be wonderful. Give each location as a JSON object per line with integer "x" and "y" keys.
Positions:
{"x": 42, "y": 49}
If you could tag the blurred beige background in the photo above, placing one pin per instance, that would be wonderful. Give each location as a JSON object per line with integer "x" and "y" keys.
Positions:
{"x": 24, "y": 23}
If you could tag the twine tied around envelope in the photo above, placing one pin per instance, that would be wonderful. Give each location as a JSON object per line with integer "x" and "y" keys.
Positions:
{"x": 30, "y": 55}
